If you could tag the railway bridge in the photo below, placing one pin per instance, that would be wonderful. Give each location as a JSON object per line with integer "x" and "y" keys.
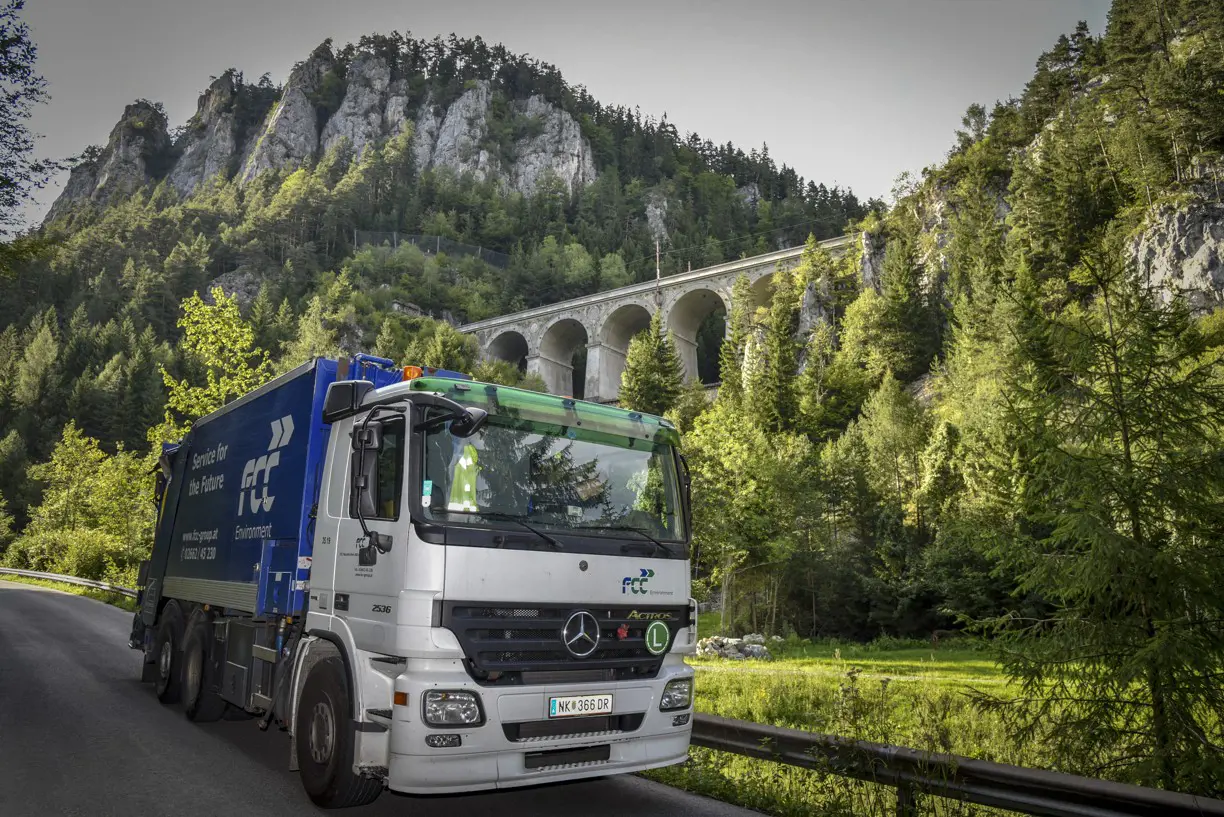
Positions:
{"x": 545, "y": 340}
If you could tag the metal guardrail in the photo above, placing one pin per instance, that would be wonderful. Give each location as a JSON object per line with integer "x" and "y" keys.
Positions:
{"x": 56, "y": 577}
{"x": 982, "y": 782}
{"x": 911, "y": 772}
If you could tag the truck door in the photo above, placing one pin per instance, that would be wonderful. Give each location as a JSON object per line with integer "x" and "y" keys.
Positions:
{"x": 368, "y": 579}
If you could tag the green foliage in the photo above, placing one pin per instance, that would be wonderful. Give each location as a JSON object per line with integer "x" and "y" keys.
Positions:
{"x": 731, "y": 353}
{"x": 652, "y": 380}
{"x": 1117, "y": 485}
{"x": 6, "y": 525}
{"x": 442, "y": 346}
{"x": 96, "y": 515}
{"x": 507, "y": 374}
{"x": 693, "y": 401}
{"x": 222, "y": 362}
{"x": 23, "y": 88}
{"x": 771, "y": 358}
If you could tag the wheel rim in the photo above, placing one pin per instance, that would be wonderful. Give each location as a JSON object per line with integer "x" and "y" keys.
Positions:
{"x": 164, "y": 660}
{"x": 322, "y": 733}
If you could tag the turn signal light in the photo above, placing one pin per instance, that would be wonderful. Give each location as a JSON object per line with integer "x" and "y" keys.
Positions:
{"x": 401, "y": 699}
{"x": 413, "y": 371}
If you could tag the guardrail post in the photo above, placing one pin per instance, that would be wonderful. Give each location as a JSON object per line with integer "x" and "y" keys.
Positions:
{"x": 907, "y": 804}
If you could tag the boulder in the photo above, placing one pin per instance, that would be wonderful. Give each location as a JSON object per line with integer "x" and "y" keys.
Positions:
{"x": 734, "y": 649}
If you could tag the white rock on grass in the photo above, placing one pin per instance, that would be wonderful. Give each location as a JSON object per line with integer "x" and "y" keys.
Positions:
{"x": 733, "y": 649}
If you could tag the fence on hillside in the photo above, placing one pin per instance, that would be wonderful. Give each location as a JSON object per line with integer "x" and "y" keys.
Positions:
{"x": 430, "y": 244}
{"x": 913, "y": 773}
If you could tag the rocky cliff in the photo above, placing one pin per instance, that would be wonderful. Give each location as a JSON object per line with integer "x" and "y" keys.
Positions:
{"x": 135, "y": 153}
{"x": 551, "y": 142}
{"x": 516, "y": 142}
{"x": 208, "y": 145}
{"x": 290, "y": 136}
{"x": 1181, "y": 251}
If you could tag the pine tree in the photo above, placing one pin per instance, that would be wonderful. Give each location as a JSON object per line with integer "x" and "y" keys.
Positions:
{"x": 442, "y": 346}
{"x": 652, "y": 379}
{"x": 693, "y": 401}
{"x": 908, "y": 331}
{"x": 1116, "y": 483}
{"x": 6, "y": 525}
{"x": 811, "y": 390}
{"x": 388, "y": 344}
{"x": 775, "y": 401}
{"x": 731, "y": 353}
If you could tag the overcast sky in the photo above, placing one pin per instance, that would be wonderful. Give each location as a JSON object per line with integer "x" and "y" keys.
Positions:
{"x": 851, "y": 92}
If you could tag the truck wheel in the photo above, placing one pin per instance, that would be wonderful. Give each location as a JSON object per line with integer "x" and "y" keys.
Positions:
{"x": 201, "y": 702}
{"x": 167, "y": 654}
{"x": 324, "y": 736}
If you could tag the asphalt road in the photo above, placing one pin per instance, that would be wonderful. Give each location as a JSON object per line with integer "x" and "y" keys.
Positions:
{"x": 80, "y": 735}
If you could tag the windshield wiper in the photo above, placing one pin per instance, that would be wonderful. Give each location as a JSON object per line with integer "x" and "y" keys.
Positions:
{"x": 520, "y": 520}
{"x": 629, "y": 528}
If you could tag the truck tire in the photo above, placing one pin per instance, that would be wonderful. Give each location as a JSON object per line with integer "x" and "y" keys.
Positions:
{"x": 324, "y": 736}
{"x": 201, "y": 701}
{"x": 168, "y": 654}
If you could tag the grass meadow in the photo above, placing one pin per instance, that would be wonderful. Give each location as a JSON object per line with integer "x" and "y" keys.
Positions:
{"x": 902, "y": 693}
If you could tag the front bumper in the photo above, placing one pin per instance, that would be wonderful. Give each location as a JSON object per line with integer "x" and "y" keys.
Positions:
{"x": 488, "y": 759}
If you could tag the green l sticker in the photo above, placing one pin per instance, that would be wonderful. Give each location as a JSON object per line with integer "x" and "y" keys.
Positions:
{"x": 657, "y": 637}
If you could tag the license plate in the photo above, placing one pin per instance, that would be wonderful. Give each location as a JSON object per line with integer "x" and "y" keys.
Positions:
{"x": 578, "y": 705}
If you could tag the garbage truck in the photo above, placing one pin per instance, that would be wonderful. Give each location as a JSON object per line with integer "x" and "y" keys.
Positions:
{"x": 431, "y": 584}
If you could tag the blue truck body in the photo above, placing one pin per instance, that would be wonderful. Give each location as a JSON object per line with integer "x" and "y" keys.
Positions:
{"x": 237, "y": 516}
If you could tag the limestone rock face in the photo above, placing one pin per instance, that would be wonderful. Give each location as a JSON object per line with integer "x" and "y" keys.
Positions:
{"x": 242, "y": 284}
{"x": 871, "y": 263}
{"x": 290, "y": 135}
{"x": 395, "y": 114}
{"x": 1182, "y": 253}
{"x": 552, "y": 147}
{"x": 207, "y": 149}
{"x": 138, "y": 145}
{"x": 360, "y": 116}
{"x": 425, "y": 135}
{"x": 538, "y": 141}
{"x": 750, "y": 194}
{"x": 559, "y": 149}
{"x": 459, "y": 136}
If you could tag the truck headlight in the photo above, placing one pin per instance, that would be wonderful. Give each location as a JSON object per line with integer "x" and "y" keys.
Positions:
{"x": 678, "y": 694}
{"x": 452, "y": 708}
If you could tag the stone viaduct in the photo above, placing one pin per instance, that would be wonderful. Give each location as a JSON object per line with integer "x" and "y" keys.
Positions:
{"x": 545, "y": 339}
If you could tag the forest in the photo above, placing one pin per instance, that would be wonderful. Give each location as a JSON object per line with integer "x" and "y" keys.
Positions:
{"x": 1009, "y": 433}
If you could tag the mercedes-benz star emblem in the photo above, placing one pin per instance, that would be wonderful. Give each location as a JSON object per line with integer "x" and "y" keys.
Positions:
{"x": 580, "y": 634}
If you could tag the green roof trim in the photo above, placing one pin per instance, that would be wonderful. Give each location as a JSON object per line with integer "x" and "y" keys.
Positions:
{"x": 565, "y": 412}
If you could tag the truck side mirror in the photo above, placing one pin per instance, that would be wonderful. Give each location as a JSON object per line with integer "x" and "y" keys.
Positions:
{"x": 369, "y": 437}
{"x": 344, "y": 399}
{"x": 469, "y": 422}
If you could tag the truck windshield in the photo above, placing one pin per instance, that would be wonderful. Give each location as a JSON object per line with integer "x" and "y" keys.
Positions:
{"x": 561, "y": 480}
